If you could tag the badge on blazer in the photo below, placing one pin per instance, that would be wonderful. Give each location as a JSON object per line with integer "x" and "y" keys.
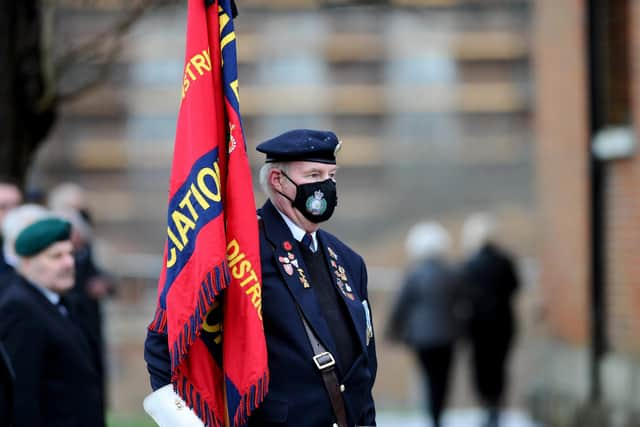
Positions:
{"x": 287, "y": 245}
{"x": 341, "y": 280}
{"x": 332, "y": 254}
{"x": 303, "y": 279}
{"x": 346, "y": 289}
{"x": 367, "y": 315}
{"x": 288, "y": 268}
{"x": 286, "y": 264}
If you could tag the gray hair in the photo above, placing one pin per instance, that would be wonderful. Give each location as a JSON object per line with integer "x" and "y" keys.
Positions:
{"x": 478, "y": 229}
{"x": 427, "y": 240}
{"x": 17, "y": 220}
{"x": 265, "y": 171}
{"x": 78, "y": 223}
{"x": 66, "y": 196}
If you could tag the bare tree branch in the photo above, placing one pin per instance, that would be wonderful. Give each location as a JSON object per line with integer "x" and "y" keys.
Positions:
{"x": 89, "y": 48}
{"x": 102, "y": 49}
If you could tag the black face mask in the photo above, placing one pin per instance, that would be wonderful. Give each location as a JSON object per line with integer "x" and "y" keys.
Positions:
{"x": 315, "y": 200}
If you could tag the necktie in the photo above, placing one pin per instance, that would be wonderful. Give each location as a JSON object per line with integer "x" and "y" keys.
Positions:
{"x": 62, "y": 308}
{"x": 307, "y": 242}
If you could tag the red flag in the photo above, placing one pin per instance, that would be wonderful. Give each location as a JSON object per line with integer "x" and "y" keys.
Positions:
{"x": 209, "y": 291}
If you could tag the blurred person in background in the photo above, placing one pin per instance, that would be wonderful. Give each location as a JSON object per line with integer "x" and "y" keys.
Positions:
{"x": 92, "y": 285}
{"x": 56, "y": 380}
{"x": 10, "y": 198}
{"x": 317, "y": 322}
{"x": 424, "y": 316}
{"x": 12, "y": 223}
{"x": 490, "y": 283}
{"x": 69, "y": 196}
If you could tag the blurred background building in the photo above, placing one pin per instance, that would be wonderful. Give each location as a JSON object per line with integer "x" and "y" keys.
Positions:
{"x": 434, "y": 101}
{"x": 586, "y": 56}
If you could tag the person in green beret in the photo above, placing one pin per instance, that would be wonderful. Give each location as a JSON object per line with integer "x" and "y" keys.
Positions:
{"x": 56, "y": 380}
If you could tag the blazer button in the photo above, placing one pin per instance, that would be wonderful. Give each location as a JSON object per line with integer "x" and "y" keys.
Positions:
{"x": 342, "y": 388}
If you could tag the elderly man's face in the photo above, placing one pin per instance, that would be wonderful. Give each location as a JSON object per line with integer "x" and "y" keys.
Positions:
{"x": 52, "y": 268}
{"x": 10, "y": 197}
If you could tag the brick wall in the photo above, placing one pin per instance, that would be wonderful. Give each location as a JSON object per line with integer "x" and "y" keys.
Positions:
{"x": 562, "y": 165}
{"x": 560, "y": 395}
{"x": 623, "y": 224}
{"x": 623, "y": 255}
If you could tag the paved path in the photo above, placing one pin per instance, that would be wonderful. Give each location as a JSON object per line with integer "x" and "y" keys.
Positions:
{"x": 453, "y": 418}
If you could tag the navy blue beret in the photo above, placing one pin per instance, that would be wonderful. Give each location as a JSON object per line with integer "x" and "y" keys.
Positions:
{"x": 40, "y": 235}
{"x": 301, "y": 145}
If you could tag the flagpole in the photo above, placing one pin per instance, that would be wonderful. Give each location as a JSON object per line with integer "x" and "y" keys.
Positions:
{"x": 227, "y": 423}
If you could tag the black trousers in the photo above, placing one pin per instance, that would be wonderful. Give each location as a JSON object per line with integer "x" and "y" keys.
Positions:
{"x": 435, "y": 363}
{"x": 490, "y": 351}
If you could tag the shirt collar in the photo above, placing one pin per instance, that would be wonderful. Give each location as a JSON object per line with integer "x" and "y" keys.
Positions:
{"x": 298, "y": 233}
{"x": 50, "y": 295}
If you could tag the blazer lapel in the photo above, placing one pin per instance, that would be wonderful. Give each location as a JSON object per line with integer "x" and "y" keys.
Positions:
{"x": 294, "y": 273}
{"x": 342, "y": 280}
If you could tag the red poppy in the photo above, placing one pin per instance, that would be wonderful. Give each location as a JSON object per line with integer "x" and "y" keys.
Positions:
{"x": 287, "y": 245}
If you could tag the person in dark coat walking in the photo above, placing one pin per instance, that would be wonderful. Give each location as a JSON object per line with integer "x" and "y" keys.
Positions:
{"x": 56, "y": 380}
{"x": 424, "y": 315}
{"x": 309, "y": 277}
{"x": 490, "y": 283}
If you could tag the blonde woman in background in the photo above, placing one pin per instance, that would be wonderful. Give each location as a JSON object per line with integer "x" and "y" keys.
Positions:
{"x": 424, "y": 316}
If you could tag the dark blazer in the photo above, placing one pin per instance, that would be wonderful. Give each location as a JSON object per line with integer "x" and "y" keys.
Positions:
{"x": 7, "y": 378}
{"x": 56, "y": 383}
{"x": 297, "y": 395}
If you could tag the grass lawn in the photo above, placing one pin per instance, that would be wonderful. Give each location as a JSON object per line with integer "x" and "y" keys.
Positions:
{"x": 134, "y": 420}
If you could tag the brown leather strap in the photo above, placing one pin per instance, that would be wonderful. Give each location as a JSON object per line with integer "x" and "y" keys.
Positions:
{"x": 326, "y": 364}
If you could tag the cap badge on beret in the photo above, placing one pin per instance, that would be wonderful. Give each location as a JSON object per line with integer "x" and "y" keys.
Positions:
{"x": 40, "y": 235}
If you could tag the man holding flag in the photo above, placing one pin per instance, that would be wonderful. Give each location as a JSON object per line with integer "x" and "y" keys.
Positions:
{"x": 220, "y": 374}
{"x": 308, "y": 287}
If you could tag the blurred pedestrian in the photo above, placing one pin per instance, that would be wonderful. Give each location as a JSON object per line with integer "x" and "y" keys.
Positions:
{"x": 70, "y": 196}
{"x": 92, "y": 285}
{"x": 490, "y": 283}
{"x": 10, "y": 198}
{"x": 57, "y": 383}
{"x": 424, "y": 315}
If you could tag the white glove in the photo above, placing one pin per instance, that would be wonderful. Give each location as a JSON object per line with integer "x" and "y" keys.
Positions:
{"x": 169, "y": 410}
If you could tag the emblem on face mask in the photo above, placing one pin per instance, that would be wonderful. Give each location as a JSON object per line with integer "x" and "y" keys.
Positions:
{"x": 316, "y": 204}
